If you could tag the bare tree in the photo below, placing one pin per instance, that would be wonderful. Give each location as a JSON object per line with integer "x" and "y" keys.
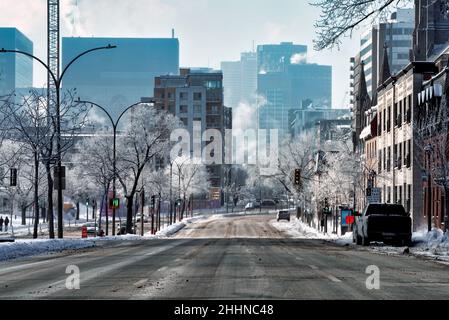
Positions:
{"x": 341, "y": 17}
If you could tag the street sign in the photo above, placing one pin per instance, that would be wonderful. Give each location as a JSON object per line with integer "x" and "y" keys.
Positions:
{"x": 344, "y": 217}
{"x": 215, "y": 194}
{"x": 374, "y": 196}
{"x": 350, "y": 220}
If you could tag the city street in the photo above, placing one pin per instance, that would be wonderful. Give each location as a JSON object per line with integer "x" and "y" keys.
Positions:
{"x": 241, "y": 257}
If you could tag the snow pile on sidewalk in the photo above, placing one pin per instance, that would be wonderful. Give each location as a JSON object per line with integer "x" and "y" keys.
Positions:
{"x": 297, "y": 229}
{"x": 174, "y": 228}
{"x": 433, "y": 244}
{"x": 22, "y": 248}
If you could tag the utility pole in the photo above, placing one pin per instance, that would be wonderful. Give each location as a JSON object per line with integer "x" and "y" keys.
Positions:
{"x": 142, "y": 211}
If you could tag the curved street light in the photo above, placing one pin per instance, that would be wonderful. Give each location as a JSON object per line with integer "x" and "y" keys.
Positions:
{"x": 57, "y": 79}
{"x": 114, "y": 150}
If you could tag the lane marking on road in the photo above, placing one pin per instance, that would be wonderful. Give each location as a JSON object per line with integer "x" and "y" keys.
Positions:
{"x": 329, "y": 276}
{"x": 332, "y": 278}
{"x": 299, "y": 259}
{"x": 141, "y": 283}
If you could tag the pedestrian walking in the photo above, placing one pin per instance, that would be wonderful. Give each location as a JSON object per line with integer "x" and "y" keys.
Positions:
{"x": 1, "y": 224}
{"x": 6, "y": 224}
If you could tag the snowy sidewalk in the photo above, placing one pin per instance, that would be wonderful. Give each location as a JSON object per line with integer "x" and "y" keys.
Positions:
{"x": 433, "y": 245}
{"x": 24, "y": 248}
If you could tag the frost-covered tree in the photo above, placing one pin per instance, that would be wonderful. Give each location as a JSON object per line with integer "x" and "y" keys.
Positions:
{"x": 190, "y": 178}
{"x": 145, "y": 137}
{"x": 339, "y": 18}
{"x": 31, "y": 122}
{"x": 93, "y": 163}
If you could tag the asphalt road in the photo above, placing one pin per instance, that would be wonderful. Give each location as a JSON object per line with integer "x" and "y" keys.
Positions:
{"x": 230, "y": 258}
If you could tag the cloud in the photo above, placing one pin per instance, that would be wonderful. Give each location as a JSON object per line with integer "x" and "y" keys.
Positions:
{"x": 298, "y": 58}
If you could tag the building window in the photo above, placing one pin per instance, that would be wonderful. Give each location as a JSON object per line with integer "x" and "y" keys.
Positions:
{"x": 183, "y": 96}
{"x": 409, "y": 109}
{"x": 409, "y": 152}
{"x": 184, "y": 109}
{"x": 197, "y": 108}
{"x": 197, "y": 96}
{"x": 389, "y": 160}
{"x": 388, "y": 194}
{"x": 379, "y": 162}
{"x": 389, "y": 119}
{"x": 379, "y": 126}
{"x": 185, "y": 121}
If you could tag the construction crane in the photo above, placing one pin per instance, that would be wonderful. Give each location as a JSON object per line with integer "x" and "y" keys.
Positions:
{"x": 53, "y": 53}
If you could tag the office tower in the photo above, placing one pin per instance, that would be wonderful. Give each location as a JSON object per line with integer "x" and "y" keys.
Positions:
{"x": 396, "y": 35}
{"x": 119, "y": 77}
{"x": 240, "y": 80}
{"x": 285, "y": 79}
{"x": 16, "y": 70}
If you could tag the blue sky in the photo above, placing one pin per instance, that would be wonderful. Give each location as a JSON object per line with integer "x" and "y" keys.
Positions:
{"x": 210, "y": 31}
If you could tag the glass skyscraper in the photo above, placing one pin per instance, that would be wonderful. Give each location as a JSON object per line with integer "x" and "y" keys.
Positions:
{"x": 16, "y": 70}
{"x": 119, "y": 77}
{"x": 285, "y": 80}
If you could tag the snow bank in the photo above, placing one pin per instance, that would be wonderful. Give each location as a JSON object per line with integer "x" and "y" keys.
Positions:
{"x": 174, "y": 228}
{"x": 297, "y": 229}
{"x": 22, "y": 248}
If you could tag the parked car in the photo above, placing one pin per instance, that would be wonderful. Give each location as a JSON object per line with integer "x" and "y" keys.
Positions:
{"x": 388, "y": 223}
{"x": 139, "y": 216}
{"x": 283, "y": 215}
{"x": 92, "y": 228}
{"x": 121, "y": 230}
{"x": 252, "y": 206}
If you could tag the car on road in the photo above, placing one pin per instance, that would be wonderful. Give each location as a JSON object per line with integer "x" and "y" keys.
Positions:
{"x": 387, "y": 223}
{"x": 283, "y": 215}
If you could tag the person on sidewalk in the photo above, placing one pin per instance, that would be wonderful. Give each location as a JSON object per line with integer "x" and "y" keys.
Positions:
{"x": 1, "y": 224}
{"x": 6, "y": 224}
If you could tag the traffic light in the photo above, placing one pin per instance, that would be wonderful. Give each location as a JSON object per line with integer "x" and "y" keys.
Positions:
{"x": 368, "y": 192}
{"x": 13, "y": 177}
{"x": 153, "y": 202}
{"x": 114, "y": 203}
{"x": 297, "y": 177}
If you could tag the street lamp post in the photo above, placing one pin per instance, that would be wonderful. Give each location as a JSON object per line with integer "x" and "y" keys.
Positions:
{"x": 114, "y": 148}
{"x": 429, "y": 149}
{"x": 57, "y": 79}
